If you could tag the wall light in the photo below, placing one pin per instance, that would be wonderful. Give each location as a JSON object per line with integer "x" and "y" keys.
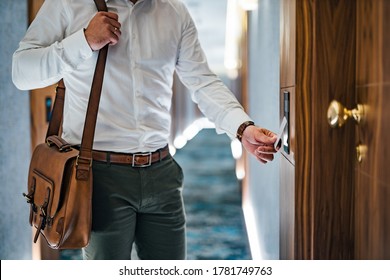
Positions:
{"x": 236, "y": 148}
{"x": 233, "y": 34}
{"x": 249, "y": 5}
{"x": 234, "y": 17}
{"x": 253, "y": 235}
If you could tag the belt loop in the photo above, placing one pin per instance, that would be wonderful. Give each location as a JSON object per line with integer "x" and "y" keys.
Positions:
{"x": 108, "y": 158}
{"x": 160, "y": 156}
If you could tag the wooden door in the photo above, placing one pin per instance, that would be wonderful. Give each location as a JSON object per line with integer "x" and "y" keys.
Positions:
{"x": 340, "y": 201}
{"x": 317, "y": 183}
{"x": 325, "y": 158}
{"x": 372, "y": 206}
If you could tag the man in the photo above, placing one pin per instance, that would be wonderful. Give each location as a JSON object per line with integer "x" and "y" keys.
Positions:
{"x": 137, "y": 185}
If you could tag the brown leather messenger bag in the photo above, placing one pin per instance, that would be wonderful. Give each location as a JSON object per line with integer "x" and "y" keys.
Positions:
{"x": 60, "y": 176}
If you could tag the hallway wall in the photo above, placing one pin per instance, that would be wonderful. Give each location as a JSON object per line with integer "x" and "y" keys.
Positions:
{"x": 15, "y": 233}
{"x": 263, "y": 181}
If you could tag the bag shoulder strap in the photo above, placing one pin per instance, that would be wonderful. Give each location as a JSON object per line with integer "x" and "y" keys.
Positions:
{"x": 84, "y": 159}
{"x": 57, "y": 111}
{"x": 101, "y": 5}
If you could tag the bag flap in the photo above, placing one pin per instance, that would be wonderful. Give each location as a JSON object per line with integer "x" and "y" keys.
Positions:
{"x": 52, "y": 164}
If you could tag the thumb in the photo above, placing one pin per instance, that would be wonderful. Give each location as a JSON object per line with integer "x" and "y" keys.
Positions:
{"x": 265, "y": 136}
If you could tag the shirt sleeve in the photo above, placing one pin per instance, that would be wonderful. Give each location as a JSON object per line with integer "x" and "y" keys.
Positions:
{"x": 44, "y": 54}
{"x": 214, "y": 99}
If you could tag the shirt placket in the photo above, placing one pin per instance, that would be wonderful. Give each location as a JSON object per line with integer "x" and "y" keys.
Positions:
{"x": 134, "y": 54}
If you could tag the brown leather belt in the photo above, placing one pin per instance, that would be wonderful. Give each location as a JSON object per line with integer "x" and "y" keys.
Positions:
{"x": 135, "y": 160}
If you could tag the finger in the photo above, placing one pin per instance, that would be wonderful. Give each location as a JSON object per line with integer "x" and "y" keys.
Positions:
{"x": 110, "y": 19}
{"x": 115, "y": 24}
{"x": 279, "y": 145}
{"x": 266, "y": 149}
{"x": 265, "y": 136}
{"x": 110, "y": 15}
{"x": 116, "y": 31}
{"x": 114, "y": 40}
{"x": 265, "y": 157}
{"x": 113, "y": 35}
{"x": 268, "y": 133}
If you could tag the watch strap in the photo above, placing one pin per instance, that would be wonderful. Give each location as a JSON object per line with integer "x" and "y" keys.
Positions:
{"x": 241, "y": 129}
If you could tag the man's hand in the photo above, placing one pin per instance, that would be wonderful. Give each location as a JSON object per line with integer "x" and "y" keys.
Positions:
{"x": 259, "y": 142}
{"x": 103, "y": 29}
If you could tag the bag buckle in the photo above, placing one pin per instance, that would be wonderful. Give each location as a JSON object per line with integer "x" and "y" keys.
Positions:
{"x": 148, "y": 163}
{"x": 42, "y": 215}
{"x": 83, "y": 159}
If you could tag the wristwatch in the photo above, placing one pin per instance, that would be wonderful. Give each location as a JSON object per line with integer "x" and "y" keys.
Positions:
{"x": 241, "y": 129}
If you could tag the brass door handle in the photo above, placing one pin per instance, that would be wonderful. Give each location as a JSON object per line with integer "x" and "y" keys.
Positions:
{"x": 361, "y": 152}
{"x": 338, "y": 114}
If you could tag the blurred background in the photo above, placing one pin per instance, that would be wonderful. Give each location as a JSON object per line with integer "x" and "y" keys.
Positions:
{"x": 214, "y": 166}
{"x": 324, "y": 65}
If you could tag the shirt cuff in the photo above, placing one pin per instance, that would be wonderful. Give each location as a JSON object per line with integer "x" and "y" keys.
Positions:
{"x": 76, "y": 48}
{"x": 232, "y": 121}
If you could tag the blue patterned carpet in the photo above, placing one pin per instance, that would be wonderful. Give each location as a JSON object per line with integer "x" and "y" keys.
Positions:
{"x": 212, "y": 196}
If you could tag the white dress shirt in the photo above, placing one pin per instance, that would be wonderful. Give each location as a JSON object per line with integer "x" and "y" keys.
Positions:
{"x": 158, "y": 37}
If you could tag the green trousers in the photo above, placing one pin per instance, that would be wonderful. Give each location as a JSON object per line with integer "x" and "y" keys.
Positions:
{"x": 143, "y": 206}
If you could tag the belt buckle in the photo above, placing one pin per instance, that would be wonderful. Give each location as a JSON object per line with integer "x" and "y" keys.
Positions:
{"x": 149, "y": 163}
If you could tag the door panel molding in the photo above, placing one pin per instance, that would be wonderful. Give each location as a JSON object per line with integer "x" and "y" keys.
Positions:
{"x": 324, "y": 184}
{"x": 372, "y": 224}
